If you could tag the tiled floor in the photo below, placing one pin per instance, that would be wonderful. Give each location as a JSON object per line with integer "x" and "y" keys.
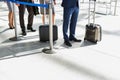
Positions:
{"x": 24, "y": 59}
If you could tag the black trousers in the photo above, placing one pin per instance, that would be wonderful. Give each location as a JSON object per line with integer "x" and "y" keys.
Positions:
{"x": 30, "y": 15}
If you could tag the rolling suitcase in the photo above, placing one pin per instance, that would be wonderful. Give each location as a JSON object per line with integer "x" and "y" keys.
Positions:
{"x": 93, "y": 31}
{"x": 44, "y": 33}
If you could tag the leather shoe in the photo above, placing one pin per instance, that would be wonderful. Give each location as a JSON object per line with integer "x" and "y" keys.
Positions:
{"x": 68, "y": 43}
{"x": 31, "y": 29}
{"x": 24, "y": 33}
{"x": 75, "y": 40}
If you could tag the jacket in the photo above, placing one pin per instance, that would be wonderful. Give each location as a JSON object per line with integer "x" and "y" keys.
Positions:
{"x": 69, "y": 3}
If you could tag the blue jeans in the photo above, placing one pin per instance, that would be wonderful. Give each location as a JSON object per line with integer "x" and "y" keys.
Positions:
{"x": 70, "y": 17}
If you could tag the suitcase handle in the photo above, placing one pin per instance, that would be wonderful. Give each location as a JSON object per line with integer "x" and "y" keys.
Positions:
{"x": 92, "y": 0}
{"x": 92, "y": 11}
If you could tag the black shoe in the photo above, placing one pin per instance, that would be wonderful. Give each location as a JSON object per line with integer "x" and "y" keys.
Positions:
{"x": 24, "y": 33}
{"x": 31, "y": 29}
{"x": 68, "y": 43}
{"x": 75, "y": 40}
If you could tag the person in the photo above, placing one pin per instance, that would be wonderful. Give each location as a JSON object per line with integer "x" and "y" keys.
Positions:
{"x": 45, "y": 11}
{"x": 10, "y": 15}
{"x": 21, "y": 8}
{"x": 70, "y": 15}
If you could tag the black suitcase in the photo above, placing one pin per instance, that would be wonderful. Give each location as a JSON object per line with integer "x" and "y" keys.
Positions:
{"x": 93, "y": 31}
{"x": 44, "y": 30}
{"x": 44, "y": 33}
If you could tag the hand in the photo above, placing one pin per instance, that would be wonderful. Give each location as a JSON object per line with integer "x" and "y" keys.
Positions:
{"x": 17, "y": 4}
{"x": 32, "y": 0}
{"x": 54, "y": 2}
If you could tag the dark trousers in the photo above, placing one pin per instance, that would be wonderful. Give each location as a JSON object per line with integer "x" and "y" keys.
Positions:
{"x": 21, "y": 16}
{"x": 69, "y": 20}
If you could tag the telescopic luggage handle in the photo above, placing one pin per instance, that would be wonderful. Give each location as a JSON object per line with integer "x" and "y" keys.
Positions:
{"x": 92, "y": 0}
{"x": 92, "y": 11}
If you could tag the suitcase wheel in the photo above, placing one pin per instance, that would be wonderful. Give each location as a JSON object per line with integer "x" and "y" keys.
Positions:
{"x": 95, "y": 41}
{"x": 43, "y": 41}
{"x": 84, "y": 38}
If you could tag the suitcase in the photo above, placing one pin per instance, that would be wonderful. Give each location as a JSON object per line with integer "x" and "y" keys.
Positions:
{"x": 93, "y": 31}
{"x": 44, "y": 33}
{"x": 44, "y": 30}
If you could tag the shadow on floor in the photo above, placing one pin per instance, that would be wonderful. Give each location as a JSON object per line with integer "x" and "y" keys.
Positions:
{"x": 87, "y": 43}
{"x": 18, "y": 48}
{"x": 4, "y": 30}
{"x": 22, "y": 48}
{"x": 116, "y": 32}
{"x": 75, "y": 67}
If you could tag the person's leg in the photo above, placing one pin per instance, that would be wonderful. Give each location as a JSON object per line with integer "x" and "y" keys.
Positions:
{"x": 43, "y": 19}
{"x": 11, "y": 24}
{"x": 53, "y": 19}
{"x": 66, "y": 19}
{"x": 12, "y": 20}
{"x": 9, "y": 19}
{"x": 53, "y": 15}
{"x": 21, "y": 18}
{"x": 73, "y": 22}
{"x": 30, "y": 18}
{"x": 10, "y": 15}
